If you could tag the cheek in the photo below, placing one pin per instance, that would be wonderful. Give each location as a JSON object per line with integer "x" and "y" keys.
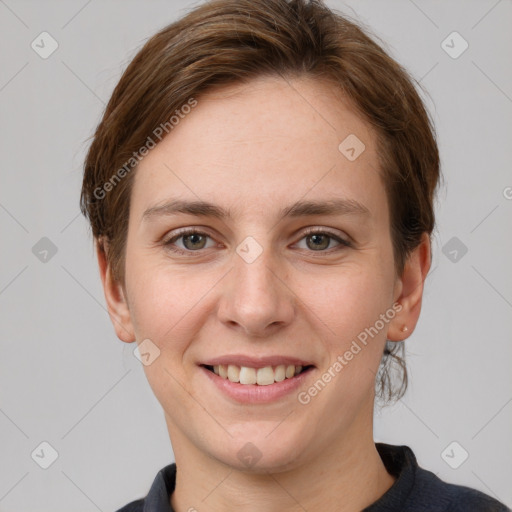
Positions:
{"x": 352, "y": 309}
{"x": 158, "y": 299}
{"x": 164, "y": 306}
{"x": 169, "y": 304}
{"x": 349, "y": 315}
{"x": 347, "y": 300}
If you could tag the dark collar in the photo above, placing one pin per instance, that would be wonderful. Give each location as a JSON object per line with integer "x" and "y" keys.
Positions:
{"x": 401, "y": 463}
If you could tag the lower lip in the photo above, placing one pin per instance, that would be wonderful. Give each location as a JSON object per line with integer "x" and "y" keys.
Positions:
{"x": 253, "y": 393}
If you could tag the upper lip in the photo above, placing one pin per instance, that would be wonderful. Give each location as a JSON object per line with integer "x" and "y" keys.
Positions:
{"x": 255, "y": 362}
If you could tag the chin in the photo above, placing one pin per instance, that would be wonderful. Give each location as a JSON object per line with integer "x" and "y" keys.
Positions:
{"x": 264, "y": 452}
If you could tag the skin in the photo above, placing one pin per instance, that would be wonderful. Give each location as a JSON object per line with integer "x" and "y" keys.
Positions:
{"x": 254, "y": 149}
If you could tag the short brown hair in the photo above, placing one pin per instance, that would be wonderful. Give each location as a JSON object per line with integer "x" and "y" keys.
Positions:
{"x": 231, "y": 41}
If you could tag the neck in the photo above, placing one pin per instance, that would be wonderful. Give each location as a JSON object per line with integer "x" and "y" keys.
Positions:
{"x": 347, "y": 476}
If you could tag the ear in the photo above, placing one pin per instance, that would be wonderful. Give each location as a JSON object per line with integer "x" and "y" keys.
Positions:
{"x": 409, "y": 291}
{"x": 115, "y": 296}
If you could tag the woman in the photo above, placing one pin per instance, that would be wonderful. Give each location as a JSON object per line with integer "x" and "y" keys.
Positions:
{"x": 260, "y": 190}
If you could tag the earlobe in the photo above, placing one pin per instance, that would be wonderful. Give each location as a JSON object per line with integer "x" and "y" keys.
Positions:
{"x": 410, "y": 291}
{"x": 117, "y": 305}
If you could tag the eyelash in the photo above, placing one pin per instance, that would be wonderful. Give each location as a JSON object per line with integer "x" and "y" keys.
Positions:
{"x": 309, "y": 232}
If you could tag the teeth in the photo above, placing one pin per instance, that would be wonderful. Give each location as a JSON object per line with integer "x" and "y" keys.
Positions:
{"x": 280, "y": 373}
{"x": 261, "y": 376}
{"x": 247, "y": 375}
{"x": 233, "y": 373}
{"x": 265, "y": 376}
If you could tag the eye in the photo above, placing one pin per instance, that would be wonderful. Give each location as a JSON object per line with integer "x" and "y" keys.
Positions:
{"x": 192, "y": 240}
{"x": 319, "y": 240}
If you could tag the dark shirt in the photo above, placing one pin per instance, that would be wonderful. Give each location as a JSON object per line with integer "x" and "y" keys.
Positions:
{"x": 415, "y": 490}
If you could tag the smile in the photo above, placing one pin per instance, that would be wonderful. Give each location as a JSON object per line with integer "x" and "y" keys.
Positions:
{"x": 260, "y": 376}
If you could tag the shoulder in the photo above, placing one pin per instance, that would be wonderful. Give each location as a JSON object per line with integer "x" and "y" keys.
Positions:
{"x": 451, "y": 497}
{"x": 134, "y": 506}
{"x": 417, "y": 489}
{"x": 159, "y": 494}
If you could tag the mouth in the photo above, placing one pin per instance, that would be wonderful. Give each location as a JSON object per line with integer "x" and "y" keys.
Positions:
{"x": 262, "y": 376}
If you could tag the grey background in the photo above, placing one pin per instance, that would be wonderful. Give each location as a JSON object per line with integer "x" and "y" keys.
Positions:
{"x": 64, "y": 376}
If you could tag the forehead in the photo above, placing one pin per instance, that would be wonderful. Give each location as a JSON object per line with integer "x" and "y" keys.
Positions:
{"x": 272, "y": 137}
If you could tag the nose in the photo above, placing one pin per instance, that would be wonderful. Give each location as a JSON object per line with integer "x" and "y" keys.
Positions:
{"x": 256, "y": 299}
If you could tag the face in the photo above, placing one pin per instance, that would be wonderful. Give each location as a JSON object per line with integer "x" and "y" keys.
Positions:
{"x": 286, "y": 268}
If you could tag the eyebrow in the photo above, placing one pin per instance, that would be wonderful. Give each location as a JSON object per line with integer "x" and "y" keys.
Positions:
{"x": 298, "y": 209}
